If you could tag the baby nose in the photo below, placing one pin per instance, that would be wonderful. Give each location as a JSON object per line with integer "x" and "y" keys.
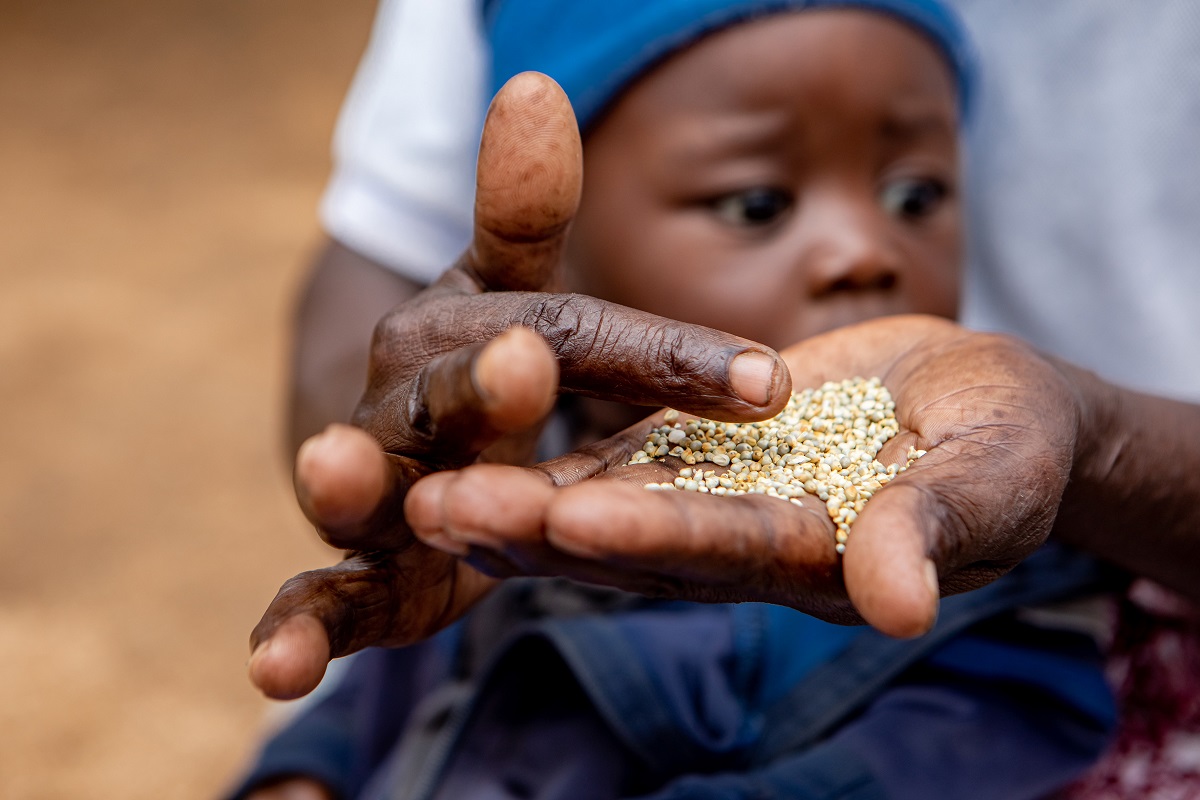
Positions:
{"x": 850, "y": 252}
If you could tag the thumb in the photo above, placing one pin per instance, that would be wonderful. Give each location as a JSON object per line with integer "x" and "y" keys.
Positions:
{"x": 528, "y": 182}
{"x": 889, "y": 576}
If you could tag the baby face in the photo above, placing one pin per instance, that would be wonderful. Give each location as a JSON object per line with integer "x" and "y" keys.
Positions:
{"x": 778, "y": 179}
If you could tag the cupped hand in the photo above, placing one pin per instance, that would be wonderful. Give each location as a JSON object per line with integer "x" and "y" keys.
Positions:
{"x": 998, "y": 421}
{"x": 465, "y": 372}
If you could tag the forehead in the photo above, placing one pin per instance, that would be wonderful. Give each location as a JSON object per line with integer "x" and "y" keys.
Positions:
{"x": 752, "y": 79}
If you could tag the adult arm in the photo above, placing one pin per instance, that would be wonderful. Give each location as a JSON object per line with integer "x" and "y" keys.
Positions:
{"x": 343, "y": 297}
{"x": 1134, "y": 494}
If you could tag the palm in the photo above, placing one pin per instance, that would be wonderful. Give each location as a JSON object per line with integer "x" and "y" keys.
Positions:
{"x": 982, "y": 499}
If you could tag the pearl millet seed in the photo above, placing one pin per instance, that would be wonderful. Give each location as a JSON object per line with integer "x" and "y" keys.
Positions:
{"x": 824, "y": 443}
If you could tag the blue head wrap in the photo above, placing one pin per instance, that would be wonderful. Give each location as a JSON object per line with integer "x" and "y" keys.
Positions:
{"x": 595, "y": 48}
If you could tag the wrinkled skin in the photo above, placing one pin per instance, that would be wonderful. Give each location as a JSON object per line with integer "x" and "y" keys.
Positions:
{"x": 1014, "y": 439}
{"x": 467, "y": 371}
{"x": 991, "y": 413}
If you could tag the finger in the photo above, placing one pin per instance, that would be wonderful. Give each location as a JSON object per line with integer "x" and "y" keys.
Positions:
{"x": 291, "y": 662}
{"x": 352, "y": 491}
{"x": 370, "y": 599}
{"x": 493, "y": 517}
{"x": 528, "y": 182}
{"x": 514, "y": 499}
{"x": 464, "y": 400}
{"x": 620, "y": 354}
{"x": 615, "y": 532}
{"x": 604, "y": 350}
{"x": 515, "y": 379}
{"x": 769, "y": 547}
{"x": 341, "y": 475}
{"x": 889, "y": 575}
{"x": 714, "y": 549}
{"x": 946, "y": 525}
{"x": 486, "y": 504}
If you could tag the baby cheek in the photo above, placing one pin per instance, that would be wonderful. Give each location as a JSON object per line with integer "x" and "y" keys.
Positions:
{"x": 646, "y": 270}
{"x": 682, "y": 271}
{"x": 937, "y": 288}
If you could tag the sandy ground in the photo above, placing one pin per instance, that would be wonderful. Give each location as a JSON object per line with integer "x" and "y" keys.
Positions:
{"x": 160, "y": 164}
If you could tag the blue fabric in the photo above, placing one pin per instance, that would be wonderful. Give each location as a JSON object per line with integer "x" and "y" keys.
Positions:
{"x": 685, "y": 684}
{"x": 928, "y": 736}
{"x": 533, "y": 734}
{"x": 1061, "y": 674}
{"x": 829, "y": 771}
{"x": 738, "y": 702}
{"x": 595, "y": 48}
{"x": 793, "y": 645}
{"x": 342, "y": 738}
{"x": 835, "y": 689}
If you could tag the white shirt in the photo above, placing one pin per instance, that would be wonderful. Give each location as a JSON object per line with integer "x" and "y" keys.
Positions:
{"x": 1083, "y": 184}
{"x": 403, "y": 184}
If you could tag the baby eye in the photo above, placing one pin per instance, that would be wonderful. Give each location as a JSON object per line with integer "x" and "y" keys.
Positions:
{"x": 755, "y": 207}
{"x": 913, "y": 198}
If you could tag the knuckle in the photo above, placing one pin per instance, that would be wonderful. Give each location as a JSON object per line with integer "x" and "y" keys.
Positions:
{"x": 399, "y": 342}
{"x": 615, "y": 341}
{"x": 558, "y": 318}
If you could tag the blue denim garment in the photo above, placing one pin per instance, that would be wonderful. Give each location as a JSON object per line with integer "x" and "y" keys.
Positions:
{"x": 677, "y": 700}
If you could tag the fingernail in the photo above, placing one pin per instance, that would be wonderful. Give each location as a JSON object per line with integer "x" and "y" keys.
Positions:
{"x": 931, "y": 578}
{"x": 312, "y": 452}
{"x": 752, "y": 377}
{"x": 573, "y": 545}
{"x": 309, "y": 446}
{"x": 258, "y": 653}
{"x": 440, "y": 541}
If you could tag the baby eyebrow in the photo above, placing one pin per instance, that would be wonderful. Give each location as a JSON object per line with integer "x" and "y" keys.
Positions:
{"x": 743, "y": 133}
{"x": 907, "y": 126}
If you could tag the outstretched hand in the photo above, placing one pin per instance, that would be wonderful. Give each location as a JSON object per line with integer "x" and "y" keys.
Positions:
{"x": 999, "y": 423}
{"x": 466, "y": 372}
{"x": 427, "y": 495}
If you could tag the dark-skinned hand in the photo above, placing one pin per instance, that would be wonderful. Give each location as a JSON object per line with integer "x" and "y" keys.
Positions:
{"x": 466, "y": 372}
{"x": 1001, "y": 425}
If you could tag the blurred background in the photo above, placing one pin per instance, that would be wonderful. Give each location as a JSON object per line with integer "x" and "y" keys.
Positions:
{"x": 160, "y": 165}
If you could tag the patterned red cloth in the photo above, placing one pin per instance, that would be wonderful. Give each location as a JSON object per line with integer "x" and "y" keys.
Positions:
{"x": 1155, "y": 665}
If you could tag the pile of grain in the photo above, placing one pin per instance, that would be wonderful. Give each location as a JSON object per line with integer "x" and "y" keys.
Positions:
{"x": 824, "y": 443}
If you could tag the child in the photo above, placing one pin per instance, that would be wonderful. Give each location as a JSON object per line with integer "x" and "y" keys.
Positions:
{"x": 772, "y": 169}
